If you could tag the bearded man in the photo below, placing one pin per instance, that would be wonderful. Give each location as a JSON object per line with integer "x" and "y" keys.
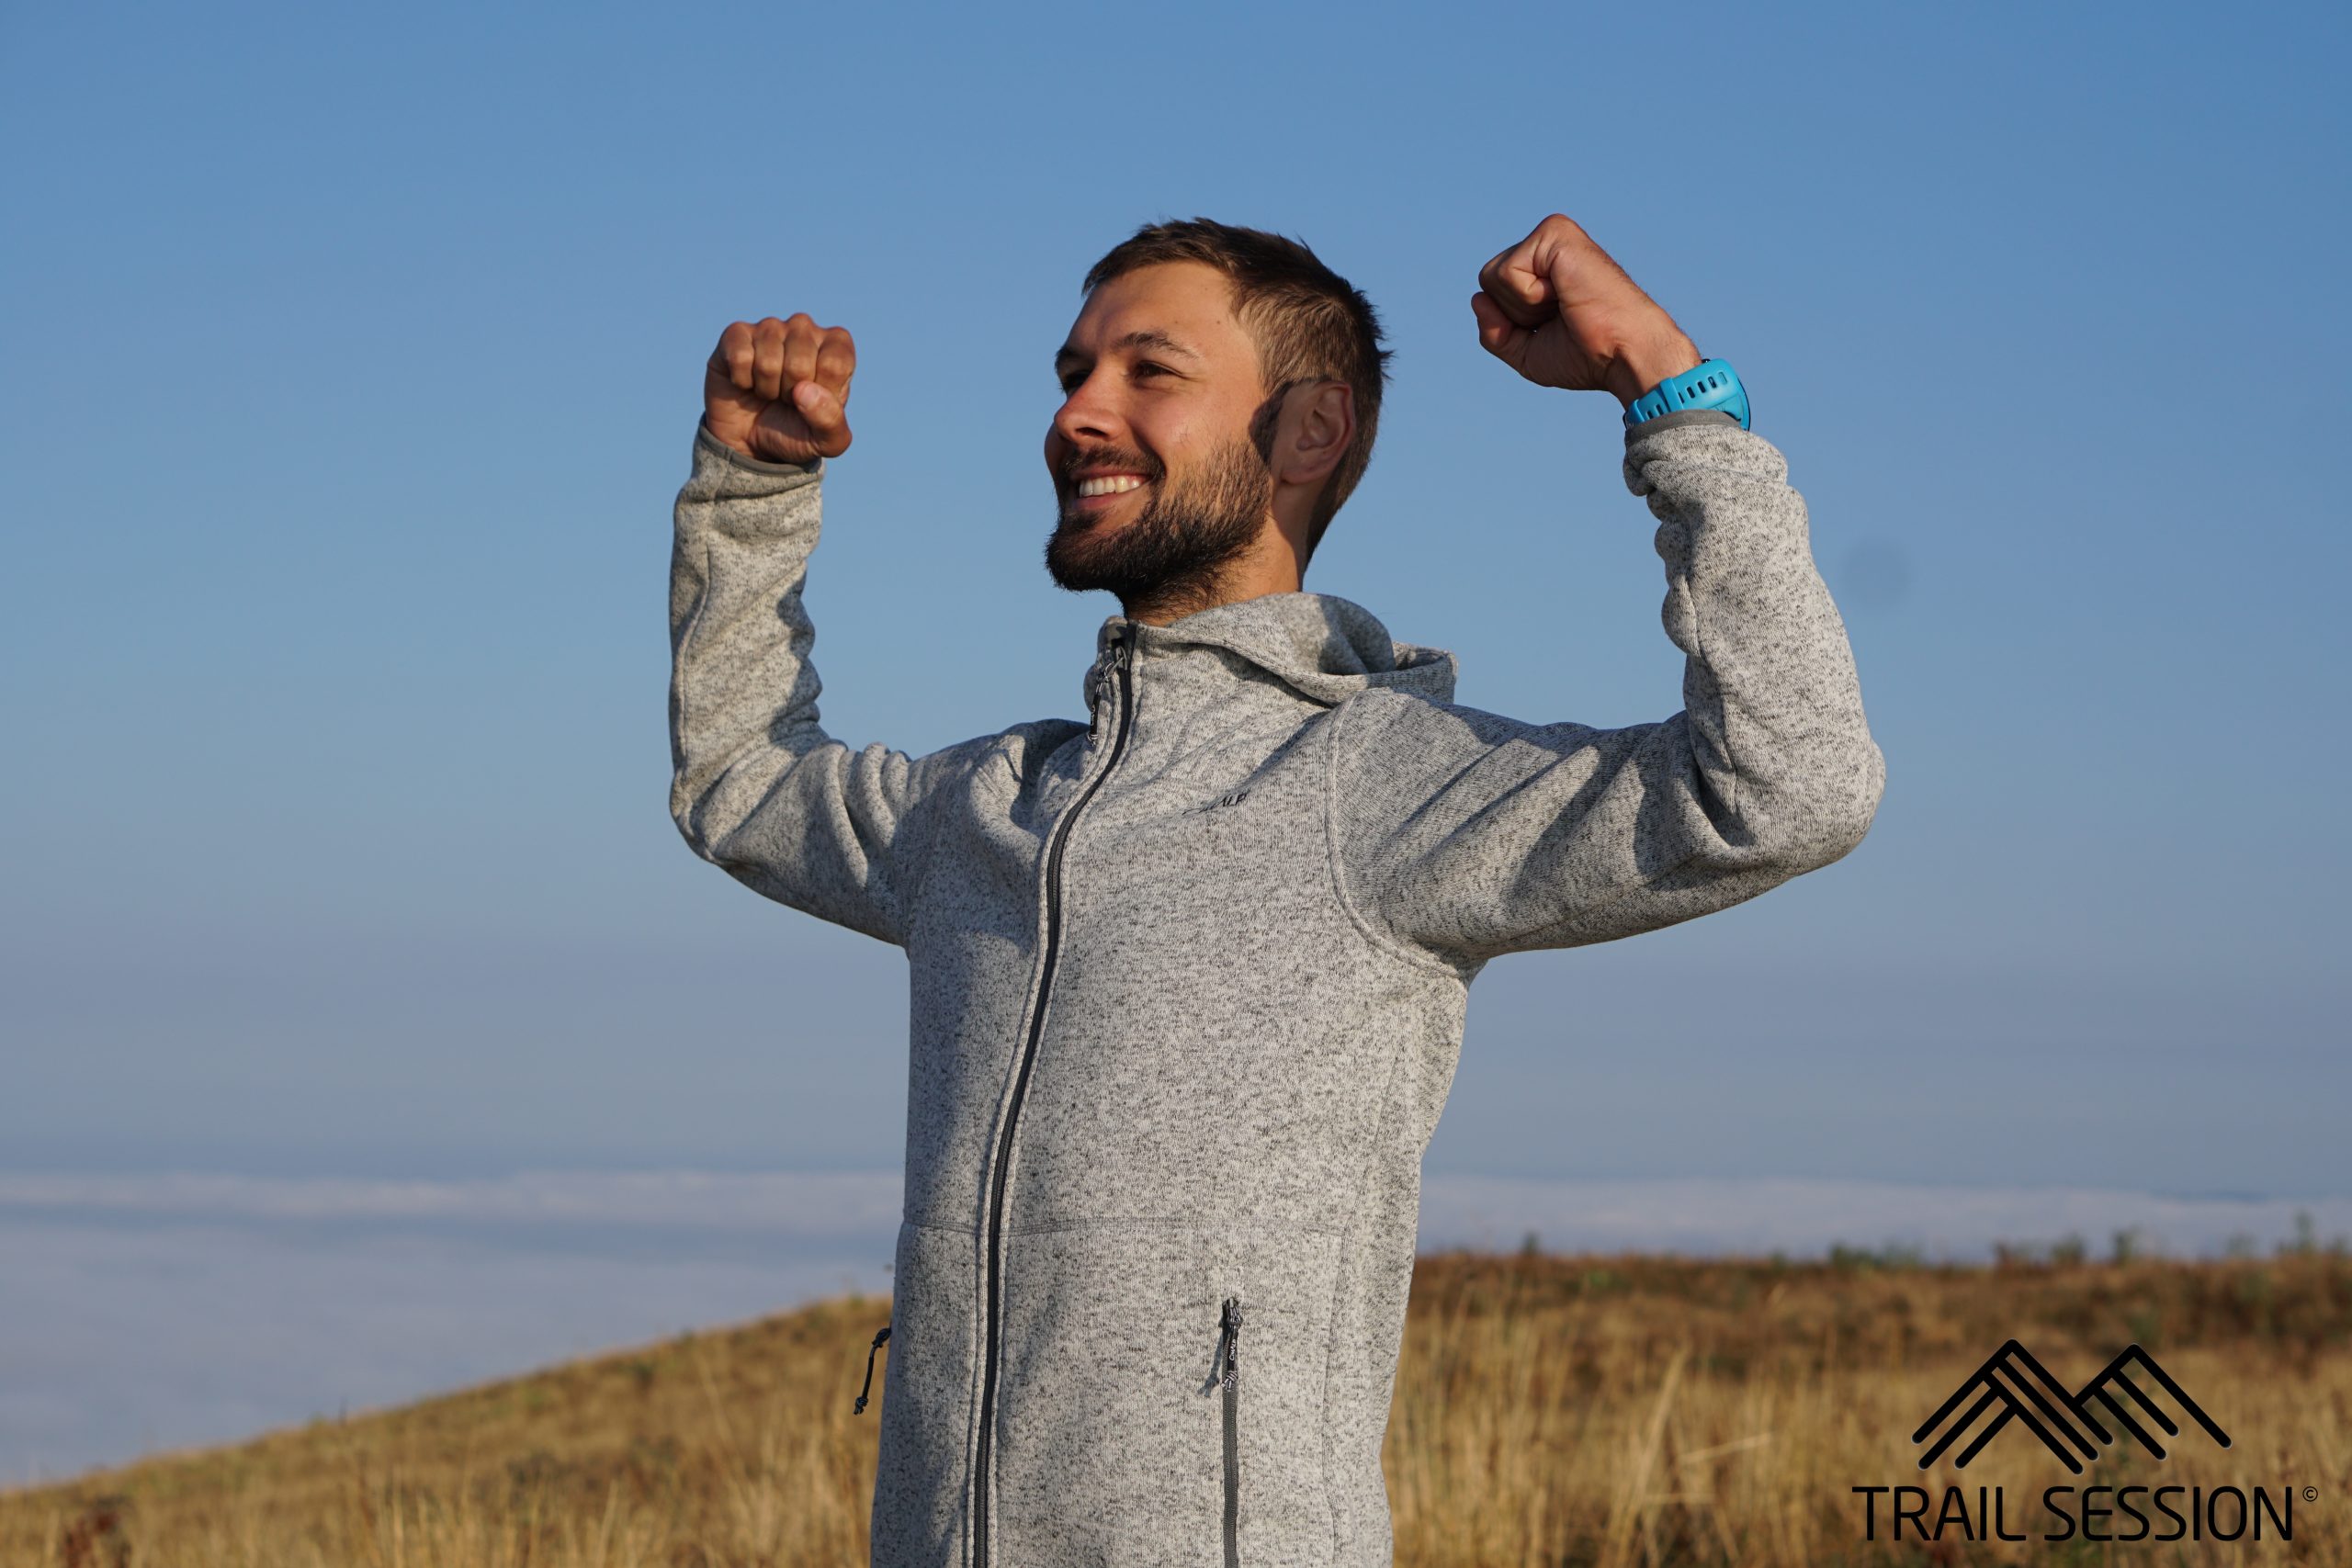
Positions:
{"x": 1188, "y": 978}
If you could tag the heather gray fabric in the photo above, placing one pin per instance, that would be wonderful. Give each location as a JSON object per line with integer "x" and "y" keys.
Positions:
{"x": 1292, "y": 853}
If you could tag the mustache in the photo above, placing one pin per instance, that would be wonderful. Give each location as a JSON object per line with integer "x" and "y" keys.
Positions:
{"x": 1107, "y": 458}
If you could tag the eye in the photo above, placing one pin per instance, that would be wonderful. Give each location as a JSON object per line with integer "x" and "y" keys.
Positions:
{"x": 1069, "y": 383}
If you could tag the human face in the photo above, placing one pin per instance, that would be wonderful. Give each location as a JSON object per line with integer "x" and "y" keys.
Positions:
{"x": 1160, "y": 382}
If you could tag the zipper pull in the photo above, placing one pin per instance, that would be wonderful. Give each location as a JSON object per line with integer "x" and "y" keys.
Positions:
{"x": 1099, "y": 684}
{"x": 860, "y": 1408}
{"x": 1232, "y": 1342}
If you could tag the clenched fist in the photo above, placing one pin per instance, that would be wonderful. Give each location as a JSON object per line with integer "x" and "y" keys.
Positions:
{"x": 779, "y": 390}
{"x": 1558, "y": 310}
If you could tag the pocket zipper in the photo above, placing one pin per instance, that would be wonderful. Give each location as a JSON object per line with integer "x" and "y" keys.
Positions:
{"x": 859, "y": 1408}
{"x": 1231, "y": 1323}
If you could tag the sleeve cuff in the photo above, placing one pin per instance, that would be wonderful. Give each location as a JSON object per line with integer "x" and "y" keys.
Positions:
{"x": 1679, "y": 416}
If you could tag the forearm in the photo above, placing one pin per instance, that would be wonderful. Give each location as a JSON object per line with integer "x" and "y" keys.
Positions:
{"x": 758, "y": 788}
{"x": 738, "y": 635}
{"x": 1779, "y": 744}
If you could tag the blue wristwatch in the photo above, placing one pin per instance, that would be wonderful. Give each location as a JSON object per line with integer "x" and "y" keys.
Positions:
{"x": 1710, "y": 384}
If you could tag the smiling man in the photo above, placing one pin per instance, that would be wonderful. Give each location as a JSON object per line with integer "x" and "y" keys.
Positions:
{"x": 1188, "y": 977}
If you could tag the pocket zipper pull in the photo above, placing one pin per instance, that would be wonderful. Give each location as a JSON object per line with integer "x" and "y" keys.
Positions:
{"x": 1232, "y": 1342}
{"x": 860, "y": 1408}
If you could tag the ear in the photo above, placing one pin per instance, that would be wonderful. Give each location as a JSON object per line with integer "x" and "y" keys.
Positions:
{"x": 1320, "y": 421}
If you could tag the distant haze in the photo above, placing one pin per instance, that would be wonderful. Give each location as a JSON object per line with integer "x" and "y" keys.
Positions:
{"x": 161, "y": 1311}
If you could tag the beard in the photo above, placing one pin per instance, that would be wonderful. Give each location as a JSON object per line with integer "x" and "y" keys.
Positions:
{"x": 1171, "y": 555}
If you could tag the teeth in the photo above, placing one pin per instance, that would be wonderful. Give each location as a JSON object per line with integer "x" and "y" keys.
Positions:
{"x": 1115, "y": 485}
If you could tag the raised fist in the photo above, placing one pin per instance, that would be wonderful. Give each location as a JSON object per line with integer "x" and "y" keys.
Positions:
{"x": 1558, "y": 310}
{"x": 779, "y": 390}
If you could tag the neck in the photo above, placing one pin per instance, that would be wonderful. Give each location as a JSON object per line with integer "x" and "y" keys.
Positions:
{"x": 1275, "y": 564}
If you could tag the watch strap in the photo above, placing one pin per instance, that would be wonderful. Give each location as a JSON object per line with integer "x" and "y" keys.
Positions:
{"x": 1709, "y": 384}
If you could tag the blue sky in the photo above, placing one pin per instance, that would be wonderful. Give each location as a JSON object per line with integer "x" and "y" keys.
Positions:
{"x": 352, "y": 362}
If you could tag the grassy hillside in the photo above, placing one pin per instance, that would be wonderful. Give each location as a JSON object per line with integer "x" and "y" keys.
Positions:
{"x": 1550, "y": 1411}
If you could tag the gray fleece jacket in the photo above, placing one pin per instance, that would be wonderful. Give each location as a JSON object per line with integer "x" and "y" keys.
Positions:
{"x": 1188, "y": 981}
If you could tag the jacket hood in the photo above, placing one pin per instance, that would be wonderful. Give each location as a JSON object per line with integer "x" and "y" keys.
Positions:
{"x": 1327, "y": 647}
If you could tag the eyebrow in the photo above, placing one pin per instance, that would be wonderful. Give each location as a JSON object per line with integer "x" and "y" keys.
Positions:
{"x": 1148, "y": 337}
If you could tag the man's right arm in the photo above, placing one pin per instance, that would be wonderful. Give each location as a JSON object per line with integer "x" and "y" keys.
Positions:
{"x": 759, "y": 789}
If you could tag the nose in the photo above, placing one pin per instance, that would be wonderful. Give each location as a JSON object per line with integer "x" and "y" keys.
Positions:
{"x": 1086, "y": 417}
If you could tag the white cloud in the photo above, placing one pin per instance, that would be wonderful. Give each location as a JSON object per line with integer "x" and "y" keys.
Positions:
{"x": 1805, "y": 1218}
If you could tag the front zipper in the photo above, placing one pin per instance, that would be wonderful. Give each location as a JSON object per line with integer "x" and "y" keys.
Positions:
{"x": 1232, "y": 1380}
{"x": 1123, "y": 662}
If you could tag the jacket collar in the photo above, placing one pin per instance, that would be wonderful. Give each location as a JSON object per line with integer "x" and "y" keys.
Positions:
{"x": 1326, "y": 648}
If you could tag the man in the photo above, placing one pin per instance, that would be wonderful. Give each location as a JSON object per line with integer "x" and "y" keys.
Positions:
{"x": 1188, "y": 979}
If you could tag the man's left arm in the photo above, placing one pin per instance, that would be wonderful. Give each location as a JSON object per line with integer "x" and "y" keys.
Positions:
{"x": 1466, "y": 834}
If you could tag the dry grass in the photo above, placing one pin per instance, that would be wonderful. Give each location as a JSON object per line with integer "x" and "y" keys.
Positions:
{"x": 1602, "y": 1412}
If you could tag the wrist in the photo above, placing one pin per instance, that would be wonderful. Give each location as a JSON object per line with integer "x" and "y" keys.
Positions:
{"x": 736, "y": 442}
{"x": 1636, "y": 368}
{"x": 741, "y": 458}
